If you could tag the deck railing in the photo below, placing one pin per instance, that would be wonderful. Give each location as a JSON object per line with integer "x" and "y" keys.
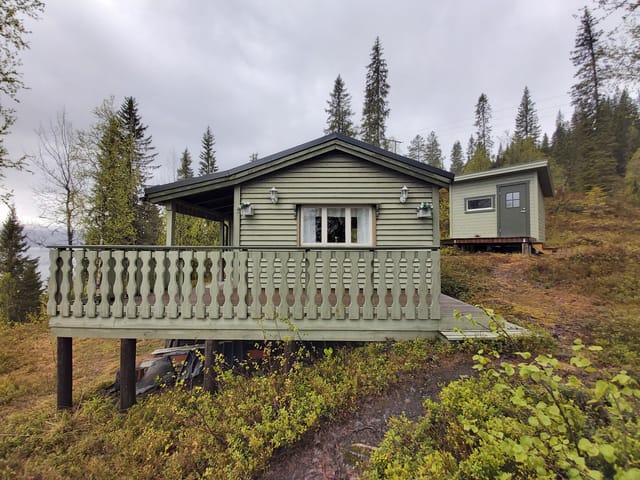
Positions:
{"x": 194, "y": 283}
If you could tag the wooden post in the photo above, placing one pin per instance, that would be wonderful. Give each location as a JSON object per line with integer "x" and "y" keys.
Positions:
{"x": 210, "y": 349}
{"x": 127, "y": 373}
{"x": 65, "y": 373}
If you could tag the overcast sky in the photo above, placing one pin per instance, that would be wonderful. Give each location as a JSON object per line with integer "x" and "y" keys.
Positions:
{"x": 260, "y": 72}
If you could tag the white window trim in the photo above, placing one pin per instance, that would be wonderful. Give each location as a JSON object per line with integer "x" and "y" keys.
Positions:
{"x": 478, "y": 210}
{"x": 324, "y": 229}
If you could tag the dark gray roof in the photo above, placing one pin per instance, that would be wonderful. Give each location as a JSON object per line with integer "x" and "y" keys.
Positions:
{"x": 336, "y": 138}
{"x": 540, "y": 166}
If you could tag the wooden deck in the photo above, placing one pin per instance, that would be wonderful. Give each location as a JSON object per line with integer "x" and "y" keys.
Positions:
{"x": 478, "y": 243}
{"x": 459, "y": 329}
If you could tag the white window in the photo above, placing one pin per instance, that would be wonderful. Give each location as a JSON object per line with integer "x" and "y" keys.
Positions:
{"x": 336, "y": 225}
{"x": 479, "y": 204}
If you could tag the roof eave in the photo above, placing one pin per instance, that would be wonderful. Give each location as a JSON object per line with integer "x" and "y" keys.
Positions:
{"x": 271, "y": 163}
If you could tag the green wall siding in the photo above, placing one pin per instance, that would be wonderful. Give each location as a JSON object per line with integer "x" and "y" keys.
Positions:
{"x": 485, "y": 224}
{"x": 341, "y": 180}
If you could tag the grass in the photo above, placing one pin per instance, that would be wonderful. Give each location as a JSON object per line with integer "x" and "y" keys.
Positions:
{"x": 588, "y": 290}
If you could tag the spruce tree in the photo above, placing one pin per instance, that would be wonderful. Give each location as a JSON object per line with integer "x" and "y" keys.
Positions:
{"x": 122, "y": 156}
{"x": 626, "y": 129}
{"x": 339, "y": 111}
{"x": 185, "y": 171}
{"x": 208, "y": 154}
{"x": 110, "y": 217}
{"x": 587, "y": 56}
{"x": 563, "y": 154}
{"x": 520, "y": 151}
{"x": 192, "y": 230}
{"x": 138, "y": 149}
{"x": 433, "y": 152}
{"x": 545, "y": 146}
{"x": 417, "y": 148}
{"x": 376, "y": 108}
{"x": 527, "y": 125}
{"x": 471, "y": 148}
{"x": 479, "y": 162}
{"x": 138, "y": 157}
{"x": 457, "y": 160}
{"x": 483, "y": 125}
{"x": 20, "y": 284}
{"x": 632, "y": 179}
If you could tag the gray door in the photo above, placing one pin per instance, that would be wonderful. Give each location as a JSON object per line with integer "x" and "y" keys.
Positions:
{"x": 513, "y": 210}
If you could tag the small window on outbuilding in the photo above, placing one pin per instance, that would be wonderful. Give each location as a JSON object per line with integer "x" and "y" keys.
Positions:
{"x": 479, "y": 204}
{"x": 512, "y": 200}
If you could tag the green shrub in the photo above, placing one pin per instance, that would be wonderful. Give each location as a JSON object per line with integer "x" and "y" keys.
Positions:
{"x": 525, "y": 420}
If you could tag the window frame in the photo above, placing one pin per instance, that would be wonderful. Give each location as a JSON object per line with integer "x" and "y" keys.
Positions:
{"x": 324, "y": 226}
{"x": 492, "y": 208}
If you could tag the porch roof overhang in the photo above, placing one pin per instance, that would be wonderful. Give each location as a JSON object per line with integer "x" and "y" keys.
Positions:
{"x": 540, "y": 166}
{"x": 213, "y": 194}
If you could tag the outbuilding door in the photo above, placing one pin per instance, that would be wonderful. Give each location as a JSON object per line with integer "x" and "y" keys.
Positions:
{"x": 513, "y": 210}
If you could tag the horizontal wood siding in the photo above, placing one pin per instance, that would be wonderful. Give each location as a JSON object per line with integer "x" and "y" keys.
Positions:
{"x": 341, "y": 180}
{"x": 485, "y": 224}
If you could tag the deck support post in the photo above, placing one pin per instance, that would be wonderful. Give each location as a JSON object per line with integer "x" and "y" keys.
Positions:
{"x": 210, "y": 350}
{"x": 65, "y": 373}
{"x": 127, "y": 373}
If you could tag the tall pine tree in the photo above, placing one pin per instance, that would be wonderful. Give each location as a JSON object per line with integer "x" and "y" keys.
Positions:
{"x": 192, "y": 230}
{"x": 471, "y": 148}
{"x": 432, "y": 151}
{"x": 527, "y": 124}
{"x": 339, "y": 111}
{"x": 185, "y": 171}
{"x": 457, "y": 159}
{"x": 483, "y": 126}
{"x": 587, "y": 56}
{"x": 110, "y": 216}
{"x": 208, "y": 154}
{"x": 20, "y": 284}
{"x": 592, "y": 128}
{"x": 376, "y": 108}
{"x": 139, "y": 155}
{"x": 417, "y": 148}
{"x": 122, "y": 158}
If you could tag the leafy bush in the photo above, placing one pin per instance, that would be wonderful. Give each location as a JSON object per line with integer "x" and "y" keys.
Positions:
{"x": 191, "y": 434}
{"x": 525, "y": 420}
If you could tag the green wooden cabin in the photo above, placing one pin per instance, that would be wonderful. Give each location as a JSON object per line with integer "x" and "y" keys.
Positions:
{"x": 331, "y": 240}
{"x": 500, "y": 206}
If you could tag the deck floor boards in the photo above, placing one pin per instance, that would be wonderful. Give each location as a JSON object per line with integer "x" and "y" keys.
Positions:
{"x": 459, "y": 329}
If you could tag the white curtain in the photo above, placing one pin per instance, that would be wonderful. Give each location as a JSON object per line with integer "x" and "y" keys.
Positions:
{"x": 363, "y": 217}
{"x": 309, "y": 215}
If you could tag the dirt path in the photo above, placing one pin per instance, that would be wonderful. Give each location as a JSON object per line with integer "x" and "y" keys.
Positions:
{"x": 329, "y": 452}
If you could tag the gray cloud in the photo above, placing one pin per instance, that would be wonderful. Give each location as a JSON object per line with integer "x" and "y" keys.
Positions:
{"x": 260, "y": 72}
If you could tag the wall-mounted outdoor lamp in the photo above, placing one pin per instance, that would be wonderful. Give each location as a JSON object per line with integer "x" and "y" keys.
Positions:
{"x": 274, "y": 194}
{"x": 404, "y": 194}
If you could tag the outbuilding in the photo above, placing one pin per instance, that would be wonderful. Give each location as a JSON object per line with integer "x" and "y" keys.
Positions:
{"x": 500, "y": 208}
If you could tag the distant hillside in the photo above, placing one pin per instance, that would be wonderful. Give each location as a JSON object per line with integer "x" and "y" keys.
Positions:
{"x": 38, "y": 238}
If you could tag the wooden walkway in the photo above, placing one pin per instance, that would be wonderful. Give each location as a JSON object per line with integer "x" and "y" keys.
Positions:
{"x": 462, "y": 328}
